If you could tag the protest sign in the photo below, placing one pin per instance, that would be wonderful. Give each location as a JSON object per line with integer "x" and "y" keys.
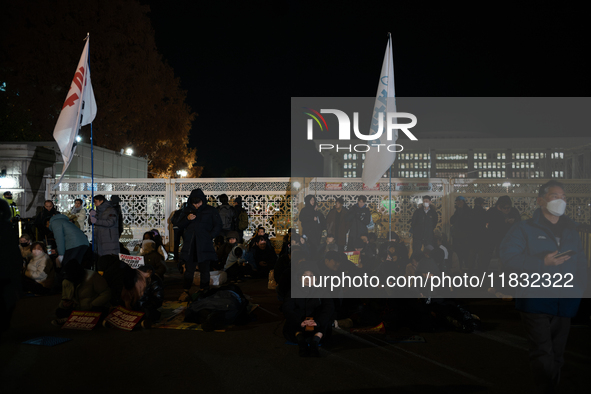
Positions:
{"x": 133, "y": 261}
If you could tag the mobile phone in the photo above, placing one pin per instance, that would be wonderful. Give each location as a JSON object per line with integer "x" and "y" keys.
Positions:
{"x": 567, "y": 253}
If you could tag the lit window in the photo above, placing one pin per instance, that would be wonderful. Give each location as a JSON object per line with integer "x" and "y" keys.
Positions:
{"x": 345, "y": 165}
{"x": 345, "y": 157}
{"x": 503, "y": 174}
{"x": 479, "y": 174}
{"x": 562, "y": 172}
{"x": 354, "y": 165}
{"x": 354, "y": 174}
{"x": 363, "y": 156}
{"x": 475, "y": 156}
{"x": 354, "y": 156}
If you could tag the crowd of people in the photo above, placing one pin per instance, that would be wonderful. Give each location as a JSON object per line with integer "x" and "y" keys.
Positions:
{"x": 60, "y": 261}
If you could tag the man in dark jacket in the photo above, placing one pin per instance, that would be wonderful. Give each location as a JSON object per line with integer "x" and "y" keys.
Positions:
{"x": 337, "y": 223}
{"x": 312, "y": 221}
{"x": 227, "y": 214}
{"x": 41, "y": 219}
{"x": 500, "y": 219}
{"x": 423, "y": 223}
{"x": 360, "y": 216}
{"x": 201, "y": 224}
{"x": 480, "y": 233}
{"x": 462, "y": 222}
{"x": 531, "y": 248}
{"x": 264, "y": 256}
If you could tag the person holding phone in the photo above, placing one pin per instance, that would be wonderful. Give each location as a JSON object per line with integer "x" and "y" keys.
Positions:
{"x": 535, "y": 247}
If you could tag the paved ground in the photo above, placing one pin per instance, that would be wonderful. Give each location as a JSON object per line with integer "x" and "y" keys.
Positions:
{"x": 255, "y": 359}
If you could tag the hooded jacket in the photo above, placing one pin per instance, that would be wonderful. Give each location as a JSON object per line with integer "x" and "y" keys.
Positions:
{"x": 41, "y": 270}
{"x": 67, "y": 234}
{"x": 153, "y": 258}
{"x": 107, "y": 229}
{"x": 523, "y": 250}
{"x": 199, "y": 233}
{"x": 311, "y": 227}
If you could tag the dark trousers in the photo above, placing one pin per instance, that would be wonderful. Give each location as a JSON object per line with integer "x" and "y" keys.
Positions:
{"x": 178, "y": 233}
{"x": 76, "y": 253}
{"x": 547, "y": 336}
{"x": 189, "y": 274}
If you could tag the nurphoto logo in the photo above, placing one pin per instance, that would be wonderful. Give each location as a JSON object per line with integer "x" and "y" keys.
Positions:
{"x": 377, "y": 129}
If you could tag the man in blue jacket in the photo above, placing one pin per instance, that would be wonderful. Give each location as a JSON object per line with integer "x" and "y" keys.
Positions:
{"x": 530, "y": 249}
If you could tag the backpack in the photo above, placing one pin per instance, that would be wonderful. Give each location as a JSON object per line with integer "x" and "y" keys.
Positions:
{"x": 227, "y": 215}
{"x": 243, "y": 221}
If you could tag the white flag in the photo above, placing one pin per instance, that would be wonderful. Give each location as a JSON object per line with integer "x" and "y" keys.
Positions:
{"x": 378, "y": 162}
{"x": 79, "y": 110}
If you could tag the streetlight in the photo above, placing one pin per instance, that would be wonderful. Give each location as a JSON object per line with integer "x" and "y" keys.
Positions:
{"x": 129, "y": 151}
{"x": 78, "y": 138}
{"x": 182, "y": 173}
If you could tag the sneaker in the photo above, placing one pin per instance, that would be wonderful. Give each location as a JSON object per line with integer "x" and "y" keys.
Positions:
{"x": 59, "y": 322}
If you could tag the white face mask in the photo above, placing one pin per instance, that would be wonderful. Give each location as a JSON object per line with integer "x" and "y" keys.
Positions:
{"x": 426, "y": 204}
{"x": 37, "y": 252}
{"x": 556, "y": 207}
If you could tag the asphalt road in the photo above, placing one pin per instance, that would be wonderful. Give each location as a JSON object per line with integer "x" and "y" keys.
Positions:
{"x": 255, "y": 358}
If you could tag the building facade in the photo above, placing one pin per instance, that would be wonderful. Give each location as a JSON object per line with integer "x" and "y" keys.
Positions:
{"x": 462, "y": 155}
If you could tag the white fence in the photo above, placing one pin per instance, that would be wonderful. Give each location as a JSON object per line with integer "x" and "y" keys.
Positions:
{"x": 275, "y": 202}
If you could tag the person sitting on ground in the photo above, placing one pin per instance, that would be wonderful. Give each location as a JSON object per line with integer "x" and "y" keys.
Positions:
{"x": 260, "y": 231}
{"x": 225, "y": 248}
{"x": 328, "y": 245}
{"x": 240, "y": 263}
{"x": 153, "y": 258}
{"x": 143, "y": 292}
{"x": 82, "y": 290}
{"x": 25, "y": 247}
{"x": 308, "y": 319}
{"x": 218, "y": 308}
{"x": 40, "y": 273}
{"x": 159, "y": 244}
{"x": 264, "y": 256}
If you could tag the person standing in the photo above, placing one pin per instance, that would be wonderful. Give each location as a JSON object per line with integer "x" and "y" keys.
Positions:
{"x": 462, "y": 233}
{"x": 499, "y": 219}
{"x": 312, "y": 221}
{"x": 10, "y": 269}
{"x": 201, "y": 224}
{"x": 15, "y": 212}
{"x": 227, "y": 214}
{"x": 360, "y": 217}
{"x": 77, "y": 214}
{"x": 106, "y": 220}
{"x": 337, "y": 223}
{"x": 532, "y": 247}
{"x": 423, "y": 223}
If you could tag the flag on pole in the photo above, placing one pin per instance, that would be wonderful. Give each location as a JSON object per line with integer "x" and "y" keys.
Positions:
{"x": 79, "y": 110}
{"x": 378, "y": 162}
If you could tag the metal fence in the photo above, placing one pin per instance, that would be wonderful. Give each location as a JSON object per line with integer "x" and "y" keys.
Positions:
{"x": 275, "y": 202}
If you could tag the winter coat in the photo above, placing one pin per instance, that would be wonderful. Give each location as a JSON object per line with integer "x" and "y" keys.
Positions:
{"x": 360, "y": 218}
{"x": 80, "y": 216}
{"x": 107, "y": 229}
{"x": 41, "y": 270}
{"x": 423, "y": 224}
{"x": 497, "y": 227}
{"x": 153, "y": 258}
{"x": 67, "y": 235}
{"x": 480, "y": 232}
{"x": 337, "y": 225}
{"x": 43, "y": 216}
{"x": 523, "y": 250}
{"x": 462, "y": 222}
{"x": 199, "y": 233}
{"x": 312, "y": 220}
{"x": 92, "y": 292}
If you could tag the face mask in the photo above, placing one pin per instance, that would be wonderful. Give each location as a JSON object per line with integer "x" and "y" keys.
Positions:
{"x": 24, "y": 244}
{"x": 426, "y": 204}
{"x": 556, "y": 207}
{"x": 37, "y": 252}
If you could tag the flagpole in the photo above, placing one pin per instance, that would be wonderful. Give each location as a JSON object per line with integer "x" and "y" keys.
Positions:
{"x": 91, "y": 168}
{"x": 390, "y": 207}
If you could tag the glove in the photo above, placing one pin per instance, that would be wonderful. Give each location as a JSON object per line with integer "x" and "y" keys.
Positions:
{"x": 92, "y": 213}
{"x": 93, "y": 219}
{"x": 60, "y": 258}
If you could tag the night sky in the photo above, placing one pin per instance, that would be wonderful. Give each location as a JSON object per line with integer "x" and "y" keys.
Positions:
{"x": 241, "y": 64}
